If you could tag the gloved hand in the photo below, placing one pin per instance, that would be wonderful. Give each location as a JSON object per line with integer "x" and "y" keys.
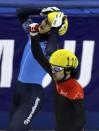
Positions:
{"x": 47, "y": 10}
{"x": 57, "y": 20}
{"x": 33, "y": 29}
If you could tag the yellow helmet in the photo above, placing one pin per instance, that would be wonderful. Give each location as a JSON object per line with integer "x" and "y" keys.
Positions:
{"x": 64, "y": 26}
{"x": 64, "y": 58}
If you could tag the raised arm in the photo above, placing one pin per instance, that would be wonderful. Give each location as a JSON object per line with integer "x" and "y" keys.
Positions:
{"x": 55, "y": 24}
{"x": 38, "y": 54}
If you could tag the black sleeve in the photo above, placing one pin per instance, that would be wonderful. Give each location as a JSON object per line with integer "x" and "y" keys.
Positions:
{"x": 52, "y": 42}
{"x": 80, "y": 115}
{"x": 38, "y": 54}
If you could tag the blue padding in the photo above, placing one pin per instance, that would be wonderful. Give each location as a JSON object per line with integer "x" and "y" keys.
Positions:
{"x": 44, "y": 3}
{"x": 7, "y": 10}
{"x": 70, "y": 11}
